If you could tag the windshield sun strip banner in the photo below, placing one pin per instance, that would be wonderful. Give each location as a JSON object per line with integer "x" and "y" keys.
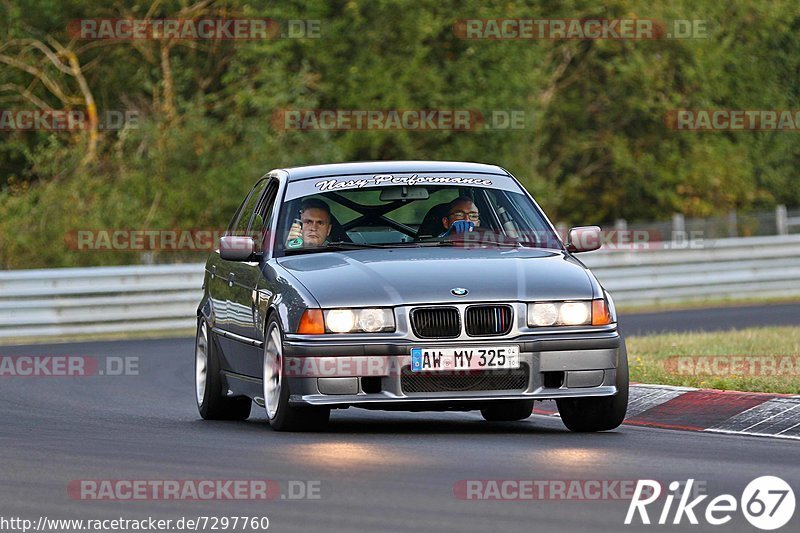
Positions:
{"x": 311, "y": 186}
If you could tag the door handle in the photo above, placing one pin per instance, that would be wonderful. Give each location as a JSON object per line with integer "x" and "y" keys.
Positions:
{"x": 230, "y": 279}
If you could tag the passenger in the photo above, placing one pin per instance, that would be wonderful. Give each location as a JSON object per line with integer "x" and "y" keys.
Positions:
{"x": 314, "y": 225}
{"x": 462, "y": 217}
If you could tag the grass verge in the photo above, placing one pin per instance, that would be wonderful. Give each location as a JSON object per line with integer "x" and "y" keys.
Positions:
{"x": 703, "y": 304}
{"x": 92, "y": 337}
{"x": 755, "y": 359}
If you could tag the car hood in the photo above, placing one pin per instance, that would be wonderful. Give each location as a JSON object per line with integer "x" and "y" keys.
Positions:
{"x": 403, "y": 276}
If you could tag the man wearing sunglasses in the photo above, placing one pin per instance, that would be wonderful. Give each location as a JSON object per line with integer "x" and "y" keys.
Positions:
{"x": 462, "y": 217}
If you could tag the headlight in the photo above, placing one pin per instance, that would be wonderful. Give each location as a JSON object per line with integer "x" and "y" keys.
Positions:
{"x": 340, "y": 320}
{"x": 584, "y": 313}
{"x": 543, "y": 314}
{"x": 574, "y": 313}
{"x": 370, "y": 320}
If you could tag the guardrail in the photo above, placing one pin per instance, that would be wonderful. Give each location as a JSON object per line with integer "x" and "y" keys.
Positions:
{"x": 66, "y": 301}
{"x": 53, "y": 302}
{"x": 750, "y": 267}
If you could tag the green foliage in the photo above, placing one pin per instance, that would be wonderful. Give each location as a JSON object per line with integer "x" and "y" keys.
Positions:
{"x": 595, "y": 146}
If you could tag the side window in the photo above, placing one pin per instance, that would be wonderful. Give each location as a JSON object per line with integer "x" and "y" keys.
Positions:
{"x": 236, "y": 215}
{"x": 246, "y": 210}
{"x": 261, "y": 221}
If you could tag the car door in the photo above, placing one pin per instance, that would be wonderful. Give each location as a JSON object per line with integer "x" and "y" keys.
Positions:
{"x": 220, "y": 293}
{"x": 234, "y": 315}
{"x": 249, "y": 290}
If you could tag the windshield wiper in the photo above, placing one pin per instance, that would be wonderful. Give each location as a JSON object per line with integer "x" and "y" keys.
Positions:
{"x": 345, "y": 246}
{"x": 475, "y": 242}
{"x": 334, "y": 246}
{"x": 505, "y": 244}
{"x": 354, "y": 245}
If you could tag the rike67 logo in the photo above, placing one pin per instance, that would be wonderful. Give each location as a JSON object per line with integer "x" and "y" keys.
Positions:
{"x": 767, "y": 502}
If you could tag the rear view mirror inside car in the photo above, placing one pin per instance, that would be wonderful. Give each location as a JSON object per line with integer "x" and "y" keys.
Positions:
{"x": 404, "y": 193}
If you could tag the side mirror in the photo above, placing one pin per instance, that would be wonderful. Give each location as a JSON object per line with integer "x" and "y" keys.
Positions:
{"x": 236, "y": 247}
{"x": 584, "y": 239}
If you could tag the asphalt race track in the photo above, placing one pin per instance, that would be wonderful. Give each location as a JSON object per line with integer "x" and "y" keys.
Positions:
{"x": 718, "y": 319}
{"x": 375, "y": 471}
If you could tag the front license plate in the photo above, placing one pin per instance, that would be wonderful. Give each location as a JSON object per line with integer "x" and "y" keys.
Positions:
{"x": 474, "y": 358}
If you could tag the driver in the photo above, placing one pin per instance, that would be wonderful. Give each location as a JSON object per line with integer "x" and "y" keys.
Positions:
{"x": 313, "y": 227}
{"x": 462, "y": 216}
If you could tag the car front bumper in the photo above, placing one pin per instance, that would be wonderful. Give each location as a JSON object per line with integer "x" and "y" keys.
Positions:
{"x": 375, "y": 374}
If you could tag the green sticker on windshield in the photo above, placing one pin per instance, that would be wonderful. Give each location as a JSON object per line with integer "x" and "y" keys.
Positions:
{"x": 295, "y": 243}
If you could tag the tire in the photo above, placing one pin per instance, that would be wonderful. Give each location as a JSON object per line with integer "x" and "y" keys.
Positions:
{"x": 281, "y": 415}
{"x": 508, "y": 411}
{"x": 598, "y": 414}
{"x": 211, "y": 403}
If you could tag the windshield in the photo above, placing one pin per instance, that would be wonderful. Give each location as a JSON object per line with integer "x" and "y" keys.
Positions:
{"x": 409, "y": 216}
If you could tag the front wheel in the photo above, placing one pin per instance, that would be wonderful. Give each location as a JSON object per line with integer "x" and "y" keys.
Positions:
{"x": 211, "y": 403}
{"x": 281, "y": 415}
{"x": 598, "y": 414}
